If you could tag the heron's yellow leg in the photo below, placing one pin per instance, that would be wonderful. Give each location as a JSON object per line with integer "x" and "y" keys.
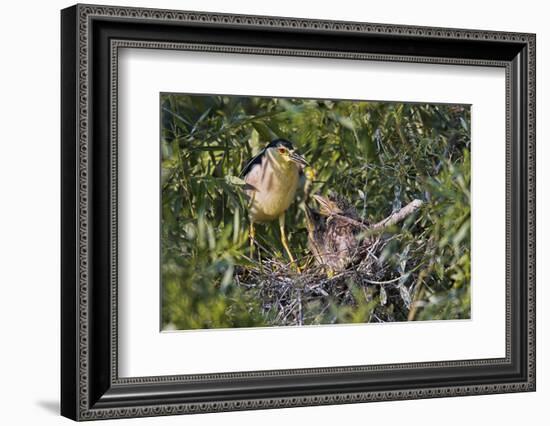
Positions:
{"x": 285, "y": 242}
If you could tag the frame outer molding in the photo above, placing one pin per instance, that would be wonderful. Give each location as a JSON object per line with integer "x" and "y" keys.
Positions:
{"x": 76, "y": 402}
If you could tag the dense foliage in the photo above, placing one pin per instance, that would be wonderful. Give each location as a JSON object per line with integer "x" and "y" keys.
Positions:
{"x": 378, "y": 155}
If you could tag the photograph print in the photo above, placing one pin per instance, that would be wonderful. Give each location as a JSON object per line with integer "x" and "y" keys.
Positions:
{"x": 309, "y": 212}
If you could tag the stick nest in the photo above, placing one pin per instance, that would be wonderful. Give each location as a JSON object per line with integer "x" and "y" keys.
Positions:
{"x": 366, "y": 291}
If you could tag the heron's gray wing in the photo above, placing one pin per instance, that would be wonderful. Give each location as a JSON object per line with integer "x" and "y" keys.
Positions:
{"x": 251, "y": 163}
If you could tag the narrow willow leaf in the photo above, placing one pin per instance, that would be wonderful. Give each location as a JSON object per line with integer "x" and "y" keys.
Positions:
{"x": 265, "y": 132}
{"x": 405, "y": 295}
{"x": 234, "y": 180}
{"x": 201, "y": 227}
{"x": 227, "y": 276}
{"x": 211, "y": 237}
{"x": 236, "y": 225}
{"x": 383, "y": 296}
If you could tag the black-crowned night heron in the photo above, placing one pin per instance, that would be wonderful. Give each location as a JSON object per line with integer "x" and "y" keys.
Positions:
{"x": 333, "y": 232}
{"x": 272, "y": 178}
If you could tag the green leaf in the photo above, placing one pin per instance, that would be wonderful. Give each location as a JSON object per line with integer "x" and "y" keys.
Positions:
{"x": 234, "y": 180}
{"x": 266, "y": 134}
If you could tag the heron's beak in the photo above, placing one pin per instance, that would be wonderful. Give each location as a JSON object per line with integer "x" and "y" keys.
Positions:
{"x": 323, "y": 201}
{"x": 297, "y": 158}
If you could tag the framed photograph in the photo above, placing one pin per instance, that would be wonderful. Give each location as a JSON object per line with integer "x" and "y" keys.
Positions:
{"x": 263, "y": 212}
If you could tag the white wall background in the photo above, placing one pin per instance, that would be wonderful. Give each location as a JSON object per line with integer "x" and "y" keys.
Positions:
{"x": 29, "y": 211}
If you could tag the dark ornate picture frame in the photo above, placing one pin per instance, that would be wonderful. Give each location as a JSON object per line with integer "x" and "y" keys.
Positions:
{"x": 90, "y": 38}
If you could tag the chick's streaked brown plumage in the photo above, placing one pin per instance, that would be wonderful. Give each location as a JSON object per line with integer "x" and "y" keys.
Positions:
{"x": 332, "y": 239}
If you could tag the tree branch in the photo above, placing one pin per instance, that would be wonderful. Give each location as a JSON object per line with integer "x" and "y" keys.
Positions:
{"x": 398, "y": 216}
{"x": 391, "y": 220}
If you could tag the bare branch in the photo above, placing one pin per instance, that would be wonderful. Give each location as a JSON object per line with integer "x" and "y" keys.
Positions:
{"x": 391, "y": 220}
{"x": 399, "y": 215}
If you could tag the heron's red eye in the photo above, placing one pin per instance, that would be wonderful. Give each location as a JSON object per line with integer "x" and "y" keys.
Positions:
{"x": 282, "y": 150}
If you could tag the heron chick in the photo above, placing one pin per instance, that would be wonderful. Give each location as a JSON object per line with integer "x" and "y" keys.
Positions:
{"x": 272, "y": 178}
{"x": 334, "y": 232}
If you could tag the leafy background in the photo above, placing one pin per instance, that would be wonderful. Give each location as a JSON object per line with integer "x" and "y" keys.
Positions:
{"x": 378, "y": 155}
